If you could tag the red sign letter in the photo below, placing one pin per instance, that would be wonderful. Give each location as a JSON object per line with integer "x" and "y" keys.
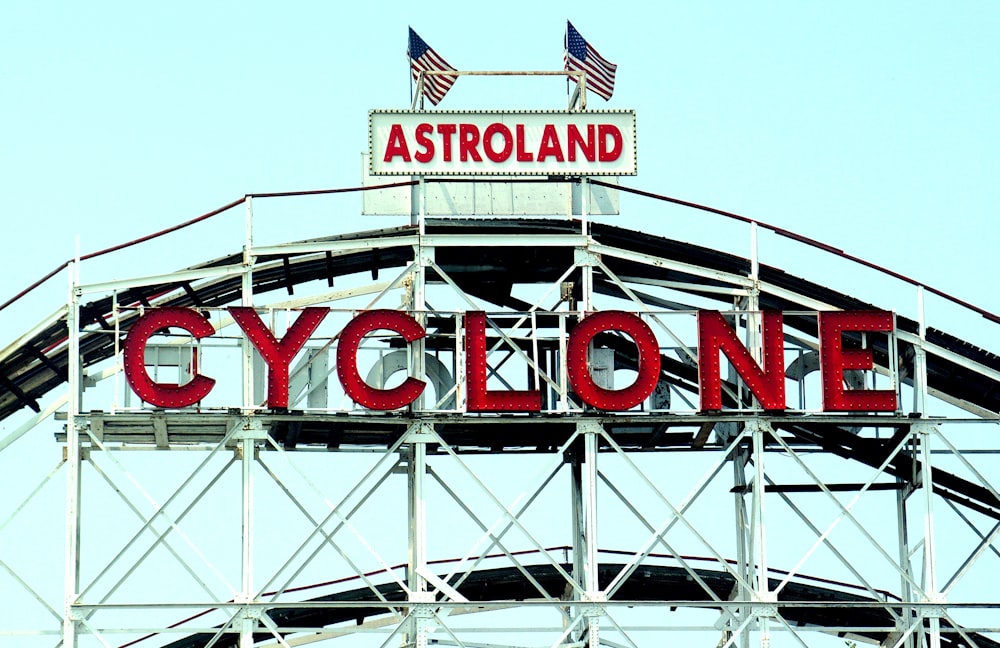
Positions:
{"x": 577, "y": 140}
{"x": 522, "y": 154}
{"x": 579, "y": 373}
{"x": 479, "y": 399}
{"x": 446, "y": 131}
{"x": 715, "y": 335}
{"x": 468, "y": 141}
{"x": 278, "y": 355}
{"x": 834, "y": 360}
{"x": 550, "y": 144}
{"x": 347, "y": 359}
{"x": 396, "y": 145}
{"x": 134, "y": 354}
{"x": 508, "y": 142}
{"x": 426, "y": 151}
{"x": 604, "y": 153}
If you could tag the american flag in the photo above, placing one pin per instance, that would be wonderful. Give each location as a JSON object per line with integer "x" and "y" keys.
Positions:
{"x": 581, "y": 56}
{"x": 422, "y": 59}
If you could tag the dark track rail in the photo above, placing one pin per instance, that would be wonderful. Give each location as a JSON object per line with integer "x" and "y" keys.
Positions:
{"x": 648, "y": 583}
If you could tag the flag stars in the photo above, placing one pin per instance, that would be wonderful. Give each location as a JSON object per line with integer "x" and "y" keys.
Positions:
{"x": 582, "y": 57}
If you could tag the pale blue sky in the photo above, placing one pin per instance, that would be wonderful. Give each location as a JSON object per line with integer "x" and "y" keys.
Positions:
{"x": 868, "y": 125}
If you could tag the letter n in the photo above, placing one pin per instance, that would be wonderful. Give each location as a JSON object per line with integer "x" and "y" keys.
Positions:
{"x": 715, "y": 336}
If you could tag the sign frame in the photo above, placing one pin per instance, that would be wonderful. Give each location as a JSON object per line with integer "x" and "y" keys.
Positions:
{"x": 502, "y": 143}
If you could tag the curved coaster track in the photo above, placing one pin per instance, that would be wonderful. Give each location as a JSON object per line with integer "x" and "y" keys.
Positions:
{"x": 735, "y": 526}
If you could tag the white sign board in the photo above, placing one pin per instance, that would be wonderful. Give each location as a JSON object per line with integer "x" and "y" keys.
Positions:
{"x": 502, "y": 143}
{"x": 496, "y": 196}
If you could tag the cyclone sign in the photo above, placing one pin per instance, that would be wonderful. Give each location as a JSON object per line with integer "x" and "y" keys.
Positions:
{"x": 766, "y": 380}
{"x": 496, "y": 143}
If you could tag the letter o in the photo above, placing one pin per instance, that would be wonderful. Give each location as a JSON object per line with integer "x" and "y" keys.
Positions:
{"x": 649, "y": 360}
{"x": 508, "y": 142}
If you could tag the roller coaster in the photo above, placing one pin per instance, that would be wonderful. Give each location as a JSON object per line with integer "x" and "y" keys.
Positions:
{"x": 228, "y": 522}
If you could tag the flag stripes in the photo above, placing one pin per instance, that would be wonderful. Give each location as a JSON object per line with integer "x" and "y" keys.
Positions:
{"x": 581, "y": 56}
{"x": 424, "y": 59}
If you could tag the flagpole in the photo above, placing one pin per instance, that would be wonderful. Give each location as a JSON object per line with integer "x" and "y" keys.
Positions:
{"x": 409, "y": 68}
{"x": 566, "y": 52}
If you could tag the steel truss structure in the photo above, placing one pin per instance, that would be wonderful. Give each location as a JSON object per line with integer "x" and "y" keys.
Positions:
{"x": 326, "y": 523}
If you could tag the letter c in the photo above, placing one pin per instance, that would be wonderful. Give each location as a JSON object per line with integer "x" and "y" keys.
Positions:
{"x": 134, "y": 358}
{"x": 347, "y": 359}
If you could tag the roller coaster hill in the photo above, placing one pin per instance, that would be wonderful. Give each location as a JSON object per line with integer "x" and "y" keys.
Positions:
{"x": 493, "y": 417}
